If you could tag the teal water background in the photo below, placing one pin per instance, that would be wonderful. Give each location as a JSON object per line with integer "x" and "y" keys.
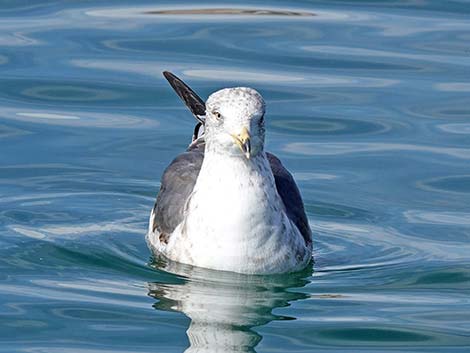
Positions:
{"x": 368, "y": 106}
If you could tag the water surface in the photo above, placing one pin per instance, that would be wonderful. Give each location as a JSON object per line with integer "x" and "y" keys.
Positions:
{"x": 368, "y": 106}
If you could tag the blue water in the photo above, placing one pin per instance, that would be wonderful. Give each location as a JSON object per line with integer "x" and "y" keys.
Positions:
{"x": 368, "y": 106}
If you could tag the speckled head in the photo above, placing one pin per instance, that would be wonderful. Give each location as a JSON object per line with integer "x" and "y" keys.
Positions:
{"x": 235, "y": 122}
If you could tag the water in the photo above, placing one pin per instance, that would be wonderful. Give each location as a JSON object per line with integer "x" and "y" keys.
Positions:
{"x": 368, "y": 106}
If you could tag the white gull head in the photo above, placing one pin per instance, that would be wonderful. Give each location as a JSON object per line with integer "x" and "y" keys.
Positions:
{"x": 235, "y": 122}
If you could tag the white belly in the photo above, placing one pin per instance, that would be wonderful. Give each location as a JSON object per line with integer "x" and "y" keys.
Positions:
{"x": 235, "y": 221}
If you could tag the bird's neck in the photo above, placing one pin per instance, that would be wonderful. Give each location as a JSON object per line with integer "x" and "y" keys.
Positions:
{"x": 235, "y": 190}
{"x": 223, "y": 171}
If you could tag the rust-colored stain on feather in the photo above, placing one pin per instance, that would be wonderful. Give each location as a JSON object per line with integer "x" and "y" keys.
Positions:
{"x": 164, "y": 238}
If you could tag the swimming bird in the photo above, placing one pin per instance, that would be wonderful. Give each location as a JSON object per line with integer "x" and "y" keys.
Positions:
{"x": 225, "y": 203}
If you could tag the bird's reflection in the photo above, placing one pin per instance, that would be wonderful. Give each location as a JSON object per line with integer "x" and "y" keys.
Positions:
{"x": 223, "y": 306}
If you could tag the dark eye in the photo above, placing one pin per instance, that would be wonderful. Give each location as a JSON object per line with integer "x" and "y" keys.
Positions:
{"x": 217, "y": 115}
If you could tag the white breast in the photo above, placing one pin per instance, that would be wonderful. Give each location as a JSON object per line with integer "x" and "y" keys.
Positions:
{"x": 235, "y": 221}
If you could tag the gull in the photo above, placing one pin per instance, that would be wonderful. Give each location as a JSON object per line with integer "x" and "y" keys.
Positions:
{"x": 225, "y": 203}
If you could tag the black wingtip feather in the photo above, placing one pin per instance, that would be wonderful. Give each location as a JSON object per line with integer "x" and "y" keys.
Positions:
{"x": 187, "y": 95}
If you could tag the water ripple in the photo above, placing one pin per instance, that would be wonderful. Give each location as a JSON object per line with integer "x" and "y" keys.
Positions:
{"x": 314, "y": 148}
{"x": 79, "y": 119}
{"x": 235, "y": 74}
{"x": 447, "y": 218}
{"x": 458, "y": 184}
{"x": 229, "y": 11}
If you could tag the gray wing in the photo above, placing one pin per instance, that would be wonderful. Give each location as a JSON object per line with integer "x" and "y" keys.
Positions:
{"x": 290, "y": 195}
{"x": 180, "y": 177}
{"x": 177, "y": 183}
